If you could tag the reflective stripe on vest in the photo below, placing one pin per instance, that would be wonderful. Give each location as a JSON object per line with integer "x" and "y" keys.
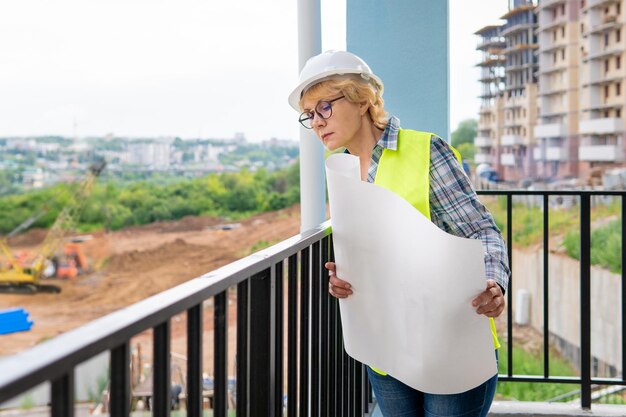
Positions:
{"x": 406, "y": 172}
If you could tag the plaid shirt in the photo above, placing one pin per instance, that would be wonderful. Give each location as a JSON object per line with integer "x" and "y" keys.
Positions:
{"x": 454, "y": 205}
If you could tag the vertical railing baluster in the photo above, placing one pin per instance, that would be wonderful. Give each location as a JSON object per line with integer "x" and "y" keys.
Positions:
{"x": 292, "y": 336}
{"x": 348, "y": 385}
{"x": 62, "y": 396}
{"x": 334, "y": 342}
{"x": 161, "y": 395}
{"x": 119, "y": 403}
{"x": 194, "y": 361}
{"x": 220, "y": 354}
{"x": 325, "y": 330}
{"x": 370, "y": 396}
{"x": 624, "y": 288}
{"x": 585, "y": 300}
{"x": 261, "y": 395}
{"x": 241, "y": 359}
{"x": 546, "y": 287}
{"x": 333, "y": 363}
{"x": 341, "y": 368}
{"x": 278, "y": 338}
{"x": 304, "y": 331}
{"x": 509, "y": 310}
{"x": 365, "y": 391}
{"x": 358, "y": 389}
{"x": 315, "y": 330}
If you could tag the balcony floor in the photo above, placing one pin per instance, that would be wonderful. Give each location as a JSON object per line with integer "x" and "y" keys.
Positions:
{"x": 522, "y": 408}
{"x": 538, "y": 409}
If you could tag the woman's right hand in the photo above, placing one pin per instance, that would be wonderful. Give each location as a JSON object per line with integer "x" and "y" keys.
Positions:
{"x": 338, "y": 288}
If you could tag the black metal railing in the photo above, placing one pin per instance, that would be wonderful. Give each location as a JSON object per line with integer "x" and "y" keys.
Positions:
{"x": 585, "y": 380}
{"x": 319, "y": 378}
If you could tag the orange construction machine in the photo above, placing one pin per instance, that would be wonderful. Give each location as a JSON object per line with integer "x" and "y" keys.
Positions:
{"x": 71, "y": 262}
{"x": 15, "y": 277}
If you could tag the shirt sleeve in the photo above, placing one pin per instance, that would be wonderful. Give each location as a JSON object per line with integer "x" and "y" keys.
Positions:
{"x": 455, "y": 208}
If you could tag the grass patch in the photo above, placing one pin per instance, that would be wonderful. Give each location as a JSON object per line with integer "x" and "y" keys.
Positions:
{"x": 606, "y": 246}
{"x": 527, "y": 229}
{"x": 261, "y": 244}
{"x": 526, "y": 363}
{"x": 613, "y": 399}
{"x": 528, "y": 221}
{"x": 27, "y": 402}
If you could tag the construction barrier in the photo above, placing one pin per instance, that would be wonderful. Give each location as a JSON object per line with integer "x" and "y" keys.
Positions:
{"x": 14, "y": 320}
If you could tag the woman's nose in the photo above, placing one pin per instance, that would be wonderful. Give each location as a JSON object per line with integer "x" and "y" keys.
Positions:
{"x": 317, "y": 120}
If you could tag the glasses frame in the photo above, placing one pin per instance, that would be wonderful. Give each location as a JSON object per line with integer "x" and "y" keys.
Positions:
{"x": 310, "y": 115}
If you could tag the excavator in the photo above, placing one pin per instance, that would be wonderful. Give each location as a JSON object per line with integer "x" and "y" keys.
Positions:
{"x": 16, "y": 277}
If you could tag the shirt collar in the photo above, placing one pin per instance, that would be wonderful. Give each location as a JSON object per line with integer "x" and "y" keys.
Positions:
{"x": 389, "y": 138}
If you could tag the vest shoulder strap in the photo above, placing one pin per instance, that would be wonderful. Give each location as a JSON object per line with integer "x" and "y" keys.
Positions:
{"x": 405, "y": 170}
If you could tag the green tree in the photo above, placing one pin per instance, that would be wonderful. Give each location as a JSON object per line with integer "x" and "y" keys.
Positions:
{"x": 117, "y": 203}
{"x": 464, "y": 133}
{"x": 467, "y": 151}
{"x": 6, "y": 182}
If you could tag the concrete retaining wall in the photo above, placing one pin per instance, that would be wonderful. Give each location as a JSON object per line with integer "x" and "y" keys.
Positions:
{"x": 564, "y": 303}
{"x": 85, "y": 379}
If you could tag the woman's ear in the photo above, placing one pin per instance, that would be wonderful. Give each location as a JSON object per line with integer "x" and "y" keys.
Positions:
{"x": 364, "y": 107}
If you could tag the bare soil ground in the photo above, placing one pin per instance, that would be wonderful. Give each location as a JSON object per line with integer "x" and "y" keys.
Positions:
{"x": 135, "y": 263}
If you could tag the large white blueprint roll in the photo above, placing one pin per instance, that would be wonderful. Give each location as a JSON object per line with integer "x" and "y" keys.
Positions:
{"x": 410, "y": 313}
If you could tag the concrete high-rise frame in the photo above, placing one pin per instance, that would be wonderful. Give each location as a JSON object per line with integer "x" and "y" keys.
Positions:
{"x": 520, "y": 109}
{"x": 603, "y": 78}
{"x": 557, "y": 129}
{"x": 563, "y": 101}
{"x": 489, "y": 128}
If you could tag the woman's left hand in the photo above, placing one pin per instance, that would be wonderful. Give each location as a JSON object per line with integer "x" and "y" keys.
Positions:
{"x": 490, "y": 302}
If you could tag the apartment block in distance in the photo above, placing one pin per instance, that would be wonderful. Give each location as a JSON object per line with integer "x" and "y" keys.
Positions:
{"x": 556, "y": 132}
{"x": 520, "y": 98}
{"x": 603, "y": 79}
{"x": 563, "y": 100}
{"x": 490, "y": 121}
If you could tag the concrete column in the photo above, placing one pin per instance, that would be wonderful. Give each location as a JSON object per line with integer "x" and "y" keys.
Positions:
{"x": 312, "y": 174}
{"x": 405, "y": 42}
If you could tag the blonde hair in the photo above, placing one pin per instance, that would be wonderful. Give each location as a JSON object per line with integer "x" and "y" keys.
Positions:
{"x": 355, "y": 91}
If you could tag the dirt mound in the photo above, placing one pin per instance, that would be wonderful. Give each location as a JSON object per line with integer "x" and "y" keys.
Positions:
{"x": 31, "y": 237}
{"x": 132, "y": 264}
{"x": 185, "y": 224}
{"x": 168, "y": 252}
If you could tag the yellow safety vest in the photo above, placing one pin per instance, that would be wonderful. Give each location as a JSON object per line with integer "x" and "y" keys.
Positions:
{"x": 398, "y": 170}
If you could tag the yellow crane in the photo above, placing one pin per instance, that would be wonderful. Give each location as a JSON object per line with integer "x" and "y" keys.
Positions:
{"x": 18, "y": 279}
{"x": 11, "y": 271}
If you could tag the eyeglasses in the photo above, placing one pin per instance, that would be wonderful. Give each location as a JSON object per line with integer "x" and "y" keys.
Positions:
{"x": 323, "y": 109}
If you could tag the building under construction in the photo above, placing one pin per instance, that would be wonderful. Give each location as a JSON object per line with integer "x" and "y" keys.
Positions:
{"x": 557, "y": 113}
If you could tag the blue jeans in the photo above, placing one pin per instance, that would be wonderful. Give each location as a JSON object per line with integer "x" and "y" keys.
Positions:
{"x": 396, "y": 399}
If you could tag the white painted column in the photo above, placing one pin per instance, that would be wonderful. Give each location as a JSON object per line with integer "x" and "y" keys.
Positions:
{"x": 312, "y": 174}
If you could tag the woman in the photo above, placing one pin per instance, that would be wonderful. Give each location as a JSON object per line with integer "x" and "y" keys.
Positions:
{"x": 341, "y": 100}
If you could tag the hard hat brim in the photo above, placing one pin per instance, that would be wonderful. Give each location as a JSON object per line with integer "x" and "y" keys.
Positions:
{"x": 294, "y": 97}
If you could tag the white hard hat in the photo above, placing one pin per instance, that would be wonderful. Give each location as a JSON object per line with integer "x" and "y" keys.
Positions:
{"x": 327, "y": 64}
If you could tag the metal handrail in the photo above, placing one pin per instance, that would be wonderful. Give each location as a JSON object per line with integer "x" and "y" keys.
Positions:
{"x": 52, "y": 359}
{"x": 585, "y": 380}
{"x": 340, "y": 381}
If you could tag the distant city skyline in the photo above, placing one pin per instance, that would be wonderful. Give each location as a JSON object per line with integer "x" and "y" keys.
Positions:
{"x": 186, "y": 68}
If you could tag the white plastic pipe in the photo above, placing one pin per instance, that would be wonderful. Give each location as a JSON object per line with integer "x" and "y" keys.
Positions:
{"x": 312, "y": 175}
{"x": 522, "y": 310}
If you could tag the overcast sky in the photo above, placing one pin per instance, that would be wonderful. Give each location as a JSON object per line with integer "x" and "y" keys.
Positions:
{"x": 188, "y": 68}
